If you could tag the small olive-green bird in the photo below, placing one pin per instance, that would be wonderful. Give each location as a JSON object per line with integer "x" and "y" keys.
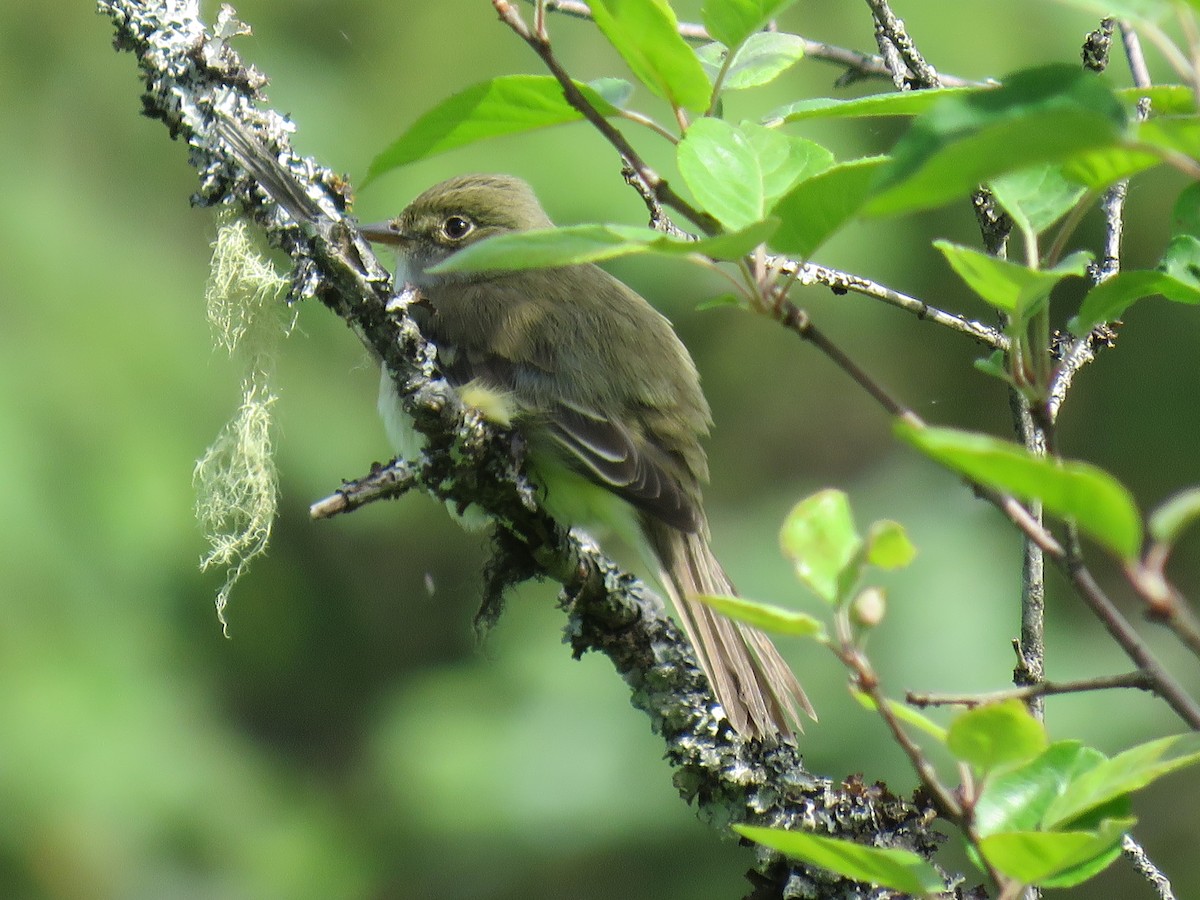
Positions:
{"x": 608, "y": 402}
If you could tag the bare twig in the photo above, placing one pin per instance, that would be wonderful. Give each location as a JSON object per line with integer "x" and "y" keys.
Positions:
{"x": 857, "y": 65}
{"x": 382, "y": 483}
{"x": 1136, "y": 679}
{"x": 844, "y": 282}
{"x": 1128, "y": 639}
{"x": 890, "y": 33}
{"x": 1136, "y": 854}
{"x": 656, "y": 183}
{"x": 1031, "y": 655}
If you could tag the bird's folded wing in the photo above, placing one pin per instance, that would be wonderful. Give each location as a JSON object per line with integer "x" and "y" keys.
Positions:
{"x": 602, "y": 448}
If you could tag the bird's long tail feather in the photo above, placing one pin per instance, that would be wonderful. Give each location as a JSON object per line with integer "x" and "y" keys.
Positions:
{"x": 753, "y": 683}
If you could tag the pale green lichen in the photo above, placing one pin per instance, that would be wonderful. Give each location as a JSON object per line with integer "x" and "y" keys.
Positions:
{"x": 235, "y": 480}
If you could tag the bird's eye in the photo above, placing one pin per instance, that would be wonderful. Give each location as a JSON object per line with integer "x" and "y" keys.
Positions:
{"x": 455, "y": 228}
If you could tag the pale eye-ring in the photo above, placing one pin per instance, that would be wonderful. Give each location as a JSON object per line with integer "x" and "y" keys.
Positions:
{"x": 455, "y": 228}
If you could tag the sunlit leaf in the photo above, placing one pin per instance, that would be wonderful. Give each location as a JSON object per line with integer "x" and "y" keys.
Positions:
{"x": 1016, "y": 799}
{"x": 1124, "y": 773}
{"x": 899, "y": 103}
{"x": 1179, "y": 511}
{"x": 1101, "y": 167}
{"x": 900, "y": 870}
{"x": 1100, "y": 505}
{"x": 785, "y": 160}
{"x": 729, "y": 245}
{"x": 1139, "y": 11}
{"x": 1036, "y": 197}
{"x": 1033, "y": 857}
{"x": 545, "y": 247}
{"x": 541, "y": 248}
{"x": 1010, "y": 287}
{"x": 722, "y": 171}
{"x": 1108, "y": 300}
{"x": 509, "y": 104}
{"x": 819, "y": 536}
{"x": 646, "y": 34}
{"x": 905, "y": 714}
{"x": 616, "y": 91}
{"x": 733, "y": 21}
{"x": 1037, "y": 116}
{"x": 812, "y": 211}
{"x": 1165, "y": 99}
{"x": 996, "y": 735}
{"x": 888, "y": 546}
{"x": 765, "y": 616}
{"x": 760, "y": 60}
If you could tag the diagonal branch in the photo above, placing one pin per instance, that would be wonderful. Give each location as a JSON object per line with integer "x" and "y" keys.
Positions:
{"x": 858, "y": 65}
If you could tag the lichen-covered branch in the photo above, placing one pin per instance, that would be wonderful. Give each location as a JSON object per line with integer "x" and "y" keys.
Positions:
{"x": 199, "y": 88}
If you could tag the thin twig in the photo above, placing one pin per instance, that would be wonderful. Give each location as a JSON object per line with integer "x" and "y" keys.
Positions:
{"x": 858, "y": 65}
{"x": 1136, "y": 854}
{"x": 796, "y": 319}
{"x": 381, "y": 483}
{"x": 1136, "y": 679}
{"x": 1138, "y": 69}
{"x": 662, "y": 190}
{"x": 1128, "y": 639}
{"x": 1031, "y": 655}
{"x": 890, "y": 30}
{"x": 844, "y": 282}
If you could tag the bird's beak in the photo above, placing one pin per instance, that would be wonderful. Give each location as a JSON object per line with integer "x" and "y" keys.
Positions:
{"x": 382, "y": 233}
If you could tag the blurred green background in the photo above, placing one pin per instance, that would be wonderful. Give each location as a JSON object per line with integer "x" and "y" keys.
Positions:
{"x": 350, "y": 740}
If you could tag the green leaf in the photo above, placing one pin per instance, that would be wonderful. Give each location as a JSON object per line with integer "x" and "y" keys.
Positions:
{"x": 818, "y": 535}
{"x": 766, "y": 617}
{"x": 996, "y": 735}
{"x": 646, "y": 34}
{"x": 1109, "y": 299}
{"x": 760, "y": 60}
{"x": 1104, "y": 166}
{"x": 1179, "y": 511}
{"x": 545, "y": 247}
{"x": 1181, "y": 260}
{"x": 1101, "y": 506}
{"x": 1177, "y": 276}
{"x": 1042, "y": 115}
{"x": 509, "y": 104}
{"x": 888, "y": 546}
{"x": 721, "y": 169}
{"x": 817, "y": 207}
{"x": 1017, "y": 799}
{"x": 616, "y": 91}
{"x": 905, "y": 714}
{"x": 1170, "y": 134}
{"x": 1033, "y": 857}
{"x": 1165, "y": 99}
{"x": 1037, "y": 197}
{"x": 900, "y": 103}
{"x": 1012, "y": 288}
{"x": 730, "y": 245}
{"x": 732, "y": 21}
{"x": 900, "y": 870}
{"x": 542, "y": 248}
{"x": 785, "y": 160}
{"x": 1139, "y": 11}
{"x": 1124, "y": 773}
{"x": 721, "y": 301}
{"x": 1090, "y": 868}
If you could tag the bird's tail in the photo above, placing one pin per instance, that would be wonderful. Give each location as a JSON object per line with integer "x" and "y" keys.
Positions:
{"x": 754, "y": 685}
